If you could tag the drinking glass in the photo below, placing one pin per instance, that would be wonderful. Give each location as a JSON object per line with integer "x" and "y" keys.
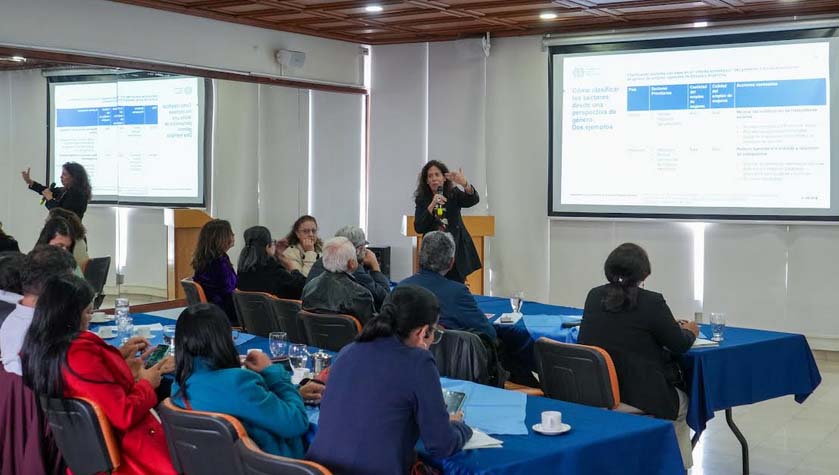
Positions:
{"x": 277, "y": 344}
{"x": 124, "y": 321}
{"x": 717, "y": 326}
{"x": 298, "y": 356}
{"x": 516, "y": 301}
{"x": 169, "y": 335}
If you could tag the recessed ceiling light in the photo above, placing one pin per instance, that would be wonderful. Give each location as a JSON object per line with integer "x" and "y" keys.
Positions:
{"x": 373, "y": 8}
{"x": 700, "y": 24}
{"x": 548, "y": 16}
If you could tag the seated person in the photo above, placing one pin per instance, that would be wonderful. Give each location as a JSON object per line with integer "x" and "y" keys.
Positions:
{"x": 384, "y": 394}
{"x": 58, "y": 232}
{"x": 39, "y": 266}
{"x": 373, "y": 280}
{"x": 304, "y": 246}
{"x": 11, "y": 264}
{"x": 209, "y": 378}
{"x": 79, "y": 234}
{"x": 60, "y": 358}
{"x": 336, "y": 290}
{"x": 634, "y": 326}
{"x": 213, "y": 270}
{"x": 264, "y": 268}
{"x": 7, "y": 243}
{"x": 458, "y": 308}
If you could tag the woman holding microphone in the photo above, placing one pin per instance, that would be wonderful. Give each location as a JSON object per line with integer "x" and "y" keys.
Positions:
{"x": 73, "y": 194}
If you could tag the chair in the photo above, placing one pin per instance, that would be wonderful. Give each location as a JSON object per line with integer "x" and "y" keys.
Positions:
{"x": 5, "y": 309}
{"x": 287, "y": 312}
{"x": 330, "y": 331}
{"x": 194, "y": 291}
{"x": 462, "y": 355}
{"x": 82, "y": 434}
{"x": 383, "y": 256}
{"x": 577, "y": 373}
{"x": 256, "y": 312}
{"x": 201, "y": 442}
{"x": 96, "y": 274}
{"x": 256, "y": 462}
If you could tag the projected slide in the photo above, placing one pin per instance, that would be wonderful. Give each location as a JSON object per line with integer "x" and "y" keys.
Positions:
{"x": 140, "y": 140}
{"x": 720, "y": 127}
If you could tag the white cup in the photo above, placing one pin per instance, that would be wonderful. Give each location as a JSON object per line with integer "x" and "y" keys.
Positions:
{"x": 107, "y": 332}
{"x": 551, "y": 420}
{"x": 144, "y": 332}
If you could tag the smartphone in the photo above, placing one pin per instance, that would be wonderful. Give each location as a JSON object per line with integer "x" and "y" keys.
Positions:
{"x": 454, "y": 400}
{"x": 160, "y": 352}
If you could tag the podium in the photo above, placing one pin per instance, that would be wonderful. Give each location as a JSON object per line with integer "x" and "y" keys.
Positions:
{"x": 479, "y": 227}
{"x": 182, "y": 229}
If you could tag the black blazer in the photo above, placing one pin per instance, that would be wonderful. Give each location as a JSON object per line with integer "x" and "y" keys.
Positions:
{"x": 636, "y": 340}
{"x": 466, "y": 259}
{"x": 68, "y": 198}
{"x": 274, "y": 279}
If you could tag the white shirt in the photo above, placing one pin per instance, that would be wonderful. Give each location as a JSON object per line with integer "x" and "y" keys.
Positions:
{"x": 12, "y": 334}
{"x": 10, "y": 297}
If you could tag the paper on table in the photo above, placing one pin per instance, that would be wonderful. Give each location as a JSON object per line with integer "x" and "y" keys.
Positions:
{"x": 479, "y": 440}
{"x": 513, "y": 319}
{"x": 701, "y": 342}
{"x": 155, "y": 327}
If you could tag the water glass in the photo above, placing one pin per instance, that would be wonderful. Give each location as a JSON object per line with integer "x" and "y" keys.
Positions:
{"x": 298, "y": 356}
{"x": 169, "y": 335}
{"x": 516, "y": 301}
{"x": 277, "y": 344}
{"x": 717, "y": 326}
{"x": 124, "y": 321}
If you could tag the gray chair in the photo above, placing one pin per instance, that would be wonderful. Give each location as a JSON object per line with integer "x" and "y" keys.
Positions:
{"x": 96, "y": 274}
{"x": 256, "y": 312}
{"x": 194, "y": 292}
{"x": 83, "y": 435}
{"x": 256, "y": 462}
{"x": 330, "y": 331}
{"x": 577, "y": 373}
{"x": 5, "y": 309}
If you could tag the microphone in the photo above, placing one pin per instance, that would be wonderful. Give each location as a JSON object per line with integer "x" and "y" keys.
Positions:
{"x": 51, "y": 188}
{"x": 439, "y": 208}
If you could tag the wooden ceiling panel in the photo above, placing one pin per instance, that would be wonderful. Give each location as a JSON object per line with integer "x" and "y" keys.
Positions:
{"x": 401, "y": 21}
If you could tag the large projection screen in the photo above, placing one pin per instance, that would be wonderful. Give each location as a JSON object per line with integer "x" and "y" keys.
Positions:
{"x": 140, "y": 136}
{"x": 716, "y": 127}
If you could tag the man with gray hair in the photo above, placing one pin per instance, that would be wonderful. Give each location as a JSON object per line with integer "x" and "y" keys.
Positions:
{"x": 458, "y": 308}
{"x": 335, "y": 290}
{"x": 368, "y": 273}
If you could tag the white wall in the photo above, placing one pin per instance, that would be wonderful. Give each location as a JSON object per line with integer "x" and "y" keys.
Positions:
{"x": 762, "y": 275}
{"x": 113, "y": 29}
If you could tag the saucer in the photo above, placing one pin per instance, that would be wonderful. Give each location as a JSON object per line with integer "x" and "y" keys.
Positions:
{"x": 563, "y": 428}
{"x": 101, "y": 317}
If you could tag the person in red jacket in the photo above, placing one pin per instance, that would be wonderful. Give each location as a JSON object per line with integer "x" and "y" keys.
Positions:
{"x": 60, "y": 358}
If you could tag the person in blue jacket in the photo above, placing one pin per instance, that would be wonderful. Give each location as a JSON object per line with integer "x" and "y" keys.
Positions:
{"x": 384, "y": 394}
{"x": 208, "y": 377}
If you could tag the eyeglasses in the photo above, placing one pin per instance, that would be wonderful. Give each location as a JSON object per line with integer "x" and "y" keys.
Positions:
{"x": 438, "y": 334}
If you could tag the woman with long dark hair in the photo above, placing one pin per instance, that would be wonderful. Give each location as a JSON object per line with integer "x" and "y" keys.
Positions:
{"x": 386, "y": 386}
{"x": 439, "y": 197}
{"x": 208, "y": 377}
{"x": 635, "y": 326}
{"x": 79, "y": 233}
{"x": 263, "y": 268}
{"x": 304, "y": 245}
{"x": 212, "y": 266}
{"x": 74, "y": 193}
{"x": 60, "y": 358}
{"x": 59, "y": 232}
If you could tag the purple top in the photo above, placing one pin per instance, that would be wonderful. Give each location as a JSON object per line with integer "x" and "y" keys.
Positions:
{"x": 219, "y": 281}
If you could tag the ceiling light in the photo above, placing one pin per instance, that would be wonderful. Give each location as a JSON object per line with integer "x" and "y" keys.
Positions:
{"x": 700, "y": 24}
{"x": 373, "y": 8}
{"x": 548, "y": 16}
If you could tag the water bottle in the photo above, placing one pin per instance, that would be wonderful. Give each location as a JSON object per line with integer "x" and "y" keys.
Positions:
{"x": 124, "y": 321}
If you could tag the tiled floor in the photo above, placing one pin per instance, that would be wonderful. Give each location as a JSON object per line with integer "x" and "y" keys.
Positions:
{"x": 785, "y": 438}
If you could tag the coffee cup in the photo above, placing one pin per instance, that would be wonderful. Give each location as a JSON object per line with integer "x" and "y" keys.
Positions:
{"x": 107, "y": 332}
{"x": 551, "y": 420}
{"x": 144, "y": 332}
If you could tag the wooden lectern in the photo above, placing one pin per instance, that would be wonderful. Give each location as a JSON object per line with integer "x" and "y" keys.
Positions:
{"x": 182, "y": 228}
{"x": 480, "y": 227}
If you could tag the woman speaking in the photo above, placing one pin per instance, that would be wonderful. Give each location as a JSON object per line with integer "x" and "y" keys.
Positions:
{"x": 438, "y": 203}
{"x": 73, "y": 194}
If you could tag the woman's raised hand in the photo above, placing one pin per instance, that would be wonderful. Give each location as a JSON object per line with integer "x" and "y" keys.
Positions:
{"x": 458, "y": 177}
{"x": 25, "y": 175}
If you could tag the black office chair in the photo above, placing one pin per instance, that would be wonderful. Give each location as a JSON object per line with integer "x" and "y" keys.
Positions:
{"x": 96, "y": 274}
{"x": 577, "y": 373}
{"x": 330, "y": 331}
{"x": 5, "y": 309}
{"x": 82, "y": 434}
{"x": 256, "y": 462}
{"x": 461, "y": 355}
{"x": 383, "y": 256}
{"x": 287, "y": 311}
{"x": 256, "y": 312}
{"x": 194, "y": 291}
{"x": 201, "y": 443}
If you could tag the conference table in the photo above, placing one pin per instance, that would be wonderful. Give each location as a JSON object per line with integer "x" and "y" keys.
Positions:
{"x": 600, "y": 441}
{"x": 748, "y": 366}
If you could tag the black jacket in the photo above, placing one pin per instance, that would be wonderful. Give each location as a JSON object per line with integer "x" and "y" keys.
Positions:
{"x": 466, "y": 259}
{"x": 68, "y": 198}
{"x": 636, "y": 340}
{"x": 274, "y": 279}
{"x": 338, "y": 292}
{"x": 8, "y": 243}
{"x": 377, "y": 283}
